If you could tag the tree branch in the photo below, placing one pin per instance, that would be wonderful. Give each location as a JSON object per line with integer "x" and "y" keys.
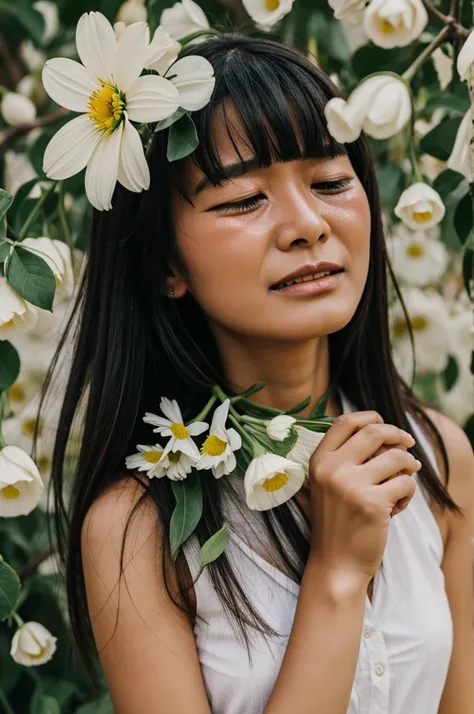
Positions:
{"x": 36, "y": 560}
{"x": 9, "y": 134}
{"x": 450, "y": 20}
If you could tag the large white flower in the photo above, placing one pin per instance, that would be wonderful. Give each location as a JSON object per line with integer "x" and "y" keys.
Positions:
{"x": 457, "y": 403}
{"x": 17, "y": 109}
{"x": 429, "y": 320}
{"x": 279, "y": 427}
{"x": 351, "y": 10}
{"x": 305, "y": 446}
{"x": 58, "y": 256}
{"x": 266, "y": 13}
{"x": 420, "y": 206}
{"x": 32, "y": 645}
{"x": 146, "y": 459}
{"x": 16, "y": 314}
{"x": 270, "y": 480}
{"x": 395, "y": 23}
{"x": 108, "y": 88}
{"x": 459, "y": 159}
{"x": 466, "y": 57}
{"x": 416, "y": 258}
{"x": 18, "y": 171}
{"x": 183, "y": 18}
{"x": 380, "y": 105}
{"x": 132, "y": 11}
{"x": 218, "y": 449}
{"x": 174, "y": 427}
{"x": 21, "y": 486}
{"x": 163, "y": 51}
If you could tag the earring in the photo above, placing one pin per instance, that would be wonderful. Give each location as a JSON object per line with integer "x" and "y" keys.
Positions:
{"x": 171, "y": 293}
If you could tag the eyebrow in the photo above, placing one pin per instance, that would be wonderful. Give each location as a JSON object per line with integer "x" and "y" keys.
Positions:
{"x": 242, "y": 167}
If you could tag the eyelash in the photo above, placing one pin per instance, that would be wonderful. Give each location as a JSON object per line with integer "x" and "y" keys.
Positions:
{"x": 255, "y": 201}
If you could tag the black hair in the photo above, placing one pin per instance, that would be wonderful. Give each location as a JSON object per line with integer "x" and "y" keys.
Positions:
{"x": 133, "y": 345}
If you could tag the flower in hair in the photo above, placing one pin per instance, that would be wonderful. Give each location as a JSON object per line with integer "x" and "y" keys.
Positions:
{"x": 173, "y": 426}
{"x": 267, "y": 13}
{"x": 218, "y": 449}
{"x": 183, "y": 18}
{"x": 110, "y": 93}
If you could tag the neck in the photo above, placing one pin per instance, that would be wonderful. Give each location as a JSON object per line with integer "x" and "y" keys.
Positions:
{"x": 291, "y": 372}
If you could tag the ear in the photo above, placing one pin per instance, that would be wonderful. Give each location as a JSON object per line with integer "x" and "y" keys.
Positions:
{"x": 176, "y": 286}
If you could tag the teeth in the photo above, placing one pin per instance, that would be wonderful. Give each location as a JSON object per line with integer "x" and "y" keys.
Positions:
{"x": 305, "y": 279}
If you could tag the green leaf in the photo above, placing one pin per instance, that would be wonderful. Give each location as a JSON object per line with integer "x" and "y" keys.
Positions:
{"x": 9, "y": 589}
{"x": 6, "y": 201}
{"x": 390, "y": 179}
{"x": 251, "y": 390}
{"x": 299, "y": 407}
{"x": 31, "y": 20}
{"x": 281, "y": 448}
{"x": 320, "y": 407}
{"x": 31, "y": 277}
{"x": 468, "y": 271}
{"x": 439, "y": 141}
{"x": 214, "y": 547}
{"x": 165, "y": 123}
{"x": 103, "y": 705}
{"x": 450, "y": 374}
{"x": 368, "y": 59}
{"x": 464, "y": 218}
{"x": 187, "y": 512}
{"x": 451, "y": 186}
{"x": 182, "y": 139}
{"x": 4, "y": 251}
{"x": 20, "y": 198}
{"x": 9, "y": 365}
{"x": 43, "y": 703}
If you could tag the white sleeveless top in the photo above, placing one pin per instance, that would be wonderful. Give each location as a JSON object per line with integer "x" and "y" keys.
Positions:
{"x": 407, "y": 633}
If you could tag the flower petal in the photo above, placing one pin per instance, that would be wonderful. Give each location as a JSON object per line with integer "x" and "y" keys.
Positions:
{"x": 102, "y": 171}
{"x": 194, "y": 78}
{"x": 170, "y": 409}
{"x": 150, "y": 418}
{"x": 69, "y": 83}
{"x": 466, "y": 57}
{"x": 71, "y": 148}
{"x": 132, "y": 52}
{"x": 162, "y": 52}
{"x": 133, "y": 171}
{"x": 198, "y": 427}
{"x": 234, "y": 439}
{"x": 96, "y": 45}
{"x": 151, "y": 99}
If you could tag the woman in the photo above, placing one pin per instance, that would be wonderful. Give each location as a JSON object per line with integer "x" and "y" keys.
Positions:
{"x": 191, "y": 284}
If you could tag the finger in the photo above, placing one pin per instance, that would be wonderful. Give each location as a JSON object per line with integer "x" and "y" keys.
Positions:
{"x": 345, "y": 426}
{"x": 398, "y": 490}
{"x": 387, "y": 465}
{"x": 364, "y": 444}
{"x": 401, "y": 505}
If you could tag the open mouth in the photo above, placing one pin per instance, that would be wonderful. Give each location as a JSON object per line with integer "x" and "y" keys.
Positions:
{"x": 304, "y": 279}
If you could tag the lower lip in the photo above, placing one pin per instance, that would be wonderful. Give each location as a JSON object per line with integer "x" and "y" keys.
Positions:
{"x": 312, "y": 287}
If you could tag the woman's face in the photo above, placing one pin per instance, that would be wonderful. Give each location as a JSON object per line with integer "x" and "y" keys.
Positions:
{"x": 240, "y": 241}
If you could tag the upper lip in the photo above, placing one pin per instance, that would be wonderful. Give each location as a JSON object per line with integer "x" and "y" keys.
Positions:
{"x": 321, "y": 267}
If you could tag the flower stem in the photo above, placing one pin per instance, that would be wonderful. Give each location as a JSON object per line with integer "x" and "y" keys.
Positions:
{"x": 408, "y": 75}
{"x": 35, "y": 211}
{"x": 203, "y": 414}
{"x": 18, "y": 619}
{"x": 199, "y": 33}
{"x": 7, "y": 709}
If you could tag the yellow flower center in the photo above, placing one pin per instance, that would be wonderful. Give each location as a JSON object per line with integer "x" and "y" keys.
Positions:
{"x": 38, "y": 654}
{"x": 418, "y": 324}
{"x": 10, "y": 492}
{"x": 272, "y": 5}
{"x": 29, "y": 426}
{"x": 387, "y": 27}
{"x": 276, "y": 482}
{"x": 106, "y": 107}
{"x": 16, "y": 392}
{"x": 213, "y": 446}
{"x": 422, "y": 216}
{"x": 179, "y": 431}
{"x": 10, "y": 323}
{"x": 152, "y": 456}
{"x": 174, "y": 456}
{"x": 416, "y": 250}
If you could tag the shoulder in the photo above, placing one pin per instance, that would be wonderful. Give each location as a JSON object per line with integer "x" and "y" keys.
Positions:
{"x": 460, "y": 454}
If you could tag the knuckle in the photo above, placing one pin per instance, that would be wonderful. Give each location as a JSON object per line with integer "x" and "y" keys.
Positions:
{"x": 343, "y": 419}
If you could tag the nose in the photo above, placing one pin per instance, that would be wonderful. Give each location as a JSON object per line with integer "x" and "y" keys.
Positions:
{"x": 302, "y": 221}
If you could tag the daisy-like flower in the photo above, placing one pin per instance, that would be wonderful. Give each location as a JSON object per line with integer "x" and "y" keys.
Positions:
{"x": 420, "y": 206}
{"x": 279, "y": 427}
{"x": 16, "y": 314}
{"x": 270, "y": 480}
{"x": 174, "y": 427}
{"x": 110, "y": 94}
{"x": 305, "y": 446}
{"x": 176, "y": 465}
{"x": 21, "y": 485}
{"x": 146, "y": 459}
{"x": 218, "y": 449}
{"x": 417, "y": 258}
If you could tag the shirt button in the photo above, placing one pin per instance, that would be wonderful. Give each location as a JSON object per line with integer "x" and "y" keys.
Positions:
{"x": 379, "y": 669}
{"x": 367, "y": 632}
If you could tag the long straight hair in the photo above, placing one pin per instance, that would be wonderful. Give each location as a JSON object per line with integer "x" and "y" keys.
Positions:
{"x": 132, "y": 345}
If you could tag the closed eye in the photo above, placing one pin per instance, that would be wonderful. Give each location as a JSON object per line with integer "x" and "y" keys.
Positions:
{"x": 253, "y": 202}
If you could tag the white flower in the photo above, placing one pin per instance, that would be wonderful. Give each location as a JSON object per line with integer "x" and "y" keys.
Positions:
{"x": 395, "y": 23}
{"x": 270, "y": 480}
{"x": 132, "y": 11}
{"x": 380, "y": 105}
{"x": 420, "y": 206}
{"x": 146, "y": 459}
{"x": 351, "y": 10}
{"x": 19, "y": 170}
{"x": 17, "y": 109}
{"x": 32, "y": 57}
{"x": 176, "y": 465}
{"x": 26, "y": 86}
{"x": 183, "y": 18}
{"x": 443, "y": 66}
{"x": 279, "y": 427}
{"x": 174, "y": 427}
{"x": 266, "y": 13}
{"x": 163, "y": 51}
{"x": 459, "y": 159}
{"x": 429, "y": 321}
{"x": 50, "y": 565}
{"x": 305, "y": 446}
{"x": 218, "y": 449}
{"x": 21, "y": 486}
{"x": 466, "y": 57}
{"x": 417, "y": 258}
{"x": 49, "y": 11}
{"x": 58, "y": 256}
{"x": 458, "y": 402}
{"x": 32, "y": 645}
{"x": 16, "y": 314}
{"x": 108, "y": 88}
